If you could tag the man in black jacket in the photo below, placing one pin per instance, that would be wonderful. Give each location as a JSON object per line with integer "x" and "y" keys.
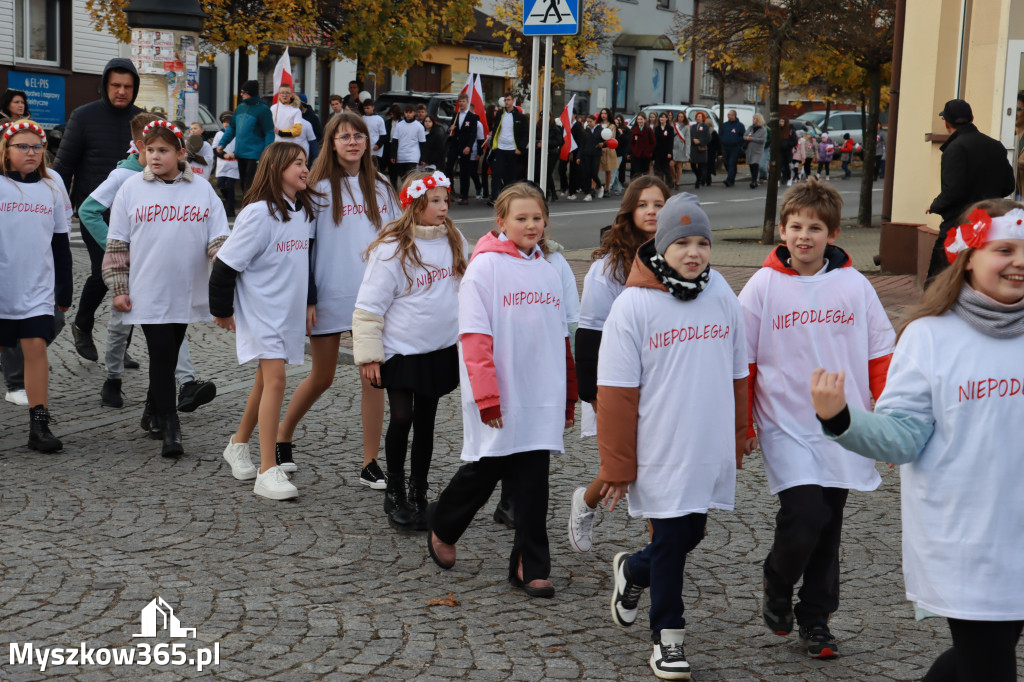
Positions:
{"x": 96, "y": 138}
{"x": 463, "y": 134}
{"x": 974, "y": 167}
{"x": 508, "y": 147}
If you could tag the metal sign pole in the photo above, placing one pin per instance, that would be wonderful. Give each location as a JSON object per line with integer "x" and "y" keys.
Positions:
{"x": 546, "y": 116}
{"x": 532, "y": 156}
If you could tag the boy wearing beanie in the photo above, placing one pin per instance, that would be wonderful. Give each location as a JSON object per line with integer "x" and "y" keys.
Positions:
{"x": 675, "y": 333}
{"x": 808, "y": 308}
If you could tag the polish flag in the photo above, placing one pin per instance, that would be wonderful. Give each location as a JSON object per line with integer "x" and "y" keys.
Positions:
{"x": 568, "y": 141}
{"x": 476, "y": 98}
{"x": 468, "y": 87}
{"x": 283, "y": 73}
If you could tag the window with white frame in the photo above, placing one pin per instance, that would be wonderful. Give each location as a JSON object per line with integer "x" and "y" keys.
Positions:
{"x": 37, "y": 31}
{"x": 709, "y": 84}
{"x": 753, "y": 92}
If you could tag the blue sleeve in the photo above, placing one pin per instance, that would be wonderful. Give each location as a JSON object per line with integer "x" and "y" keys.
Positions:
{"x": 893, "y": 437}
{"x": 267, "y": 122}
{"x": 229, "y": 133}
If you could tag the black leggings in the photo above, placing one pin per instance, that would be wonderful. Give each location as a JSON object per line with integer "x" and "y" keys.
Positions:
{"x": 982, "y": 650}
{"x": 416, "y": 412}
{"x": 94, "y": 290}
{"x": 163, "y": 341}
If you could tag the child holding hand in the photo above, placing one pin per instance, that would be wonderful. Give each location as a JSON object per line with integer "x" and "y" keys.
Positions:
{"x": 950, "y": 415}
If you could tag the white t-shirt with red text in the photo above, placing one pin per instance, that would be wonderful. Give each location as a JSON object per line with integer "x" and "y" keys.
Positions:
{"x": 30, "y": 214}
{"x": 338, "y": 263}
{"x": 794, "y": 325}
{"x": 684, "y": 357}
{"x": 272, "y": 258}
{"x": 517, "y": 302}
{"x": 420, "y": 317}
{"x": 961, "y": 503}
{"x": 167, "y": 227}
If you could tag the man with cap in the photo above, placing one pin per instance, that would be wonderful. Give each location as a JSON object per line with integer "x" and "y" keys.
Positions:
{"x": 252, "y": 129}
{"x": 974, "y": 167}
{"x": 675, "y": 332}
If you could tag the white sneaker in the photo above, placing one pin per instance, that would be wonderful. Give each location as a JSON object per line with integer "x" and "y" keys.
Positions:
{"x": 789, "y": 183}
{"x": 17, "y": 396}
{"x": 274, "y": 485}
{"x": 668, "y": 661}
{"x": 237, "y": 455}
{"x": 571, "y": 197}
{"x": 588, "y": 198}
{"x": 600, "y": 192}
{"x": 581, "y": 523}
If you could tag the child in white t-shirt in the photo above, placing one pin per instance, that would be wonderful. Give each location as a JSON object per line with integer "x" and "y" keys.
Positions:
{"x": 518, "y": 388}
{"x": 35, "y": 264}
{"x": 676, "y": 324}
{"x": 408, "y": 143}
{"x": 258, "y": 290}
{"x": 359, "y": 202}
{"x": 404, "y": 330}
{"x": 807, "y": 307}
{"x": 164, "y": 230}
{"x": 227, "y": 167}
{"x": 198, "y": 152}
{"x": 950, "y": 415}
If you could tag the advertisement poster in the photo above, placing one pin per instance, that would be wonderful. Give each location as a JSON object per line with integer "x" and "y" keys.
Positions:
{"x": 168, "y": 65}
{"x": 45, "y": 94}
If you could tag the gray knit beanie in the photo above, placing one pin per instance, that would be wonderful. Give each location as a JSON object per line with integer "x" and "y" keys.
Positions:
{"x": 681, "y": 217}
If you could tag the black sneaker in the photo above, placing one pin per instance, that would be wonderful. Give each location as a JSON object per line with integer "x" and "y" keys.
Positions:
{"x": 83, "y": 343}
{"x": 625, "y": 595}
{"x": 283, "y": 457}
{"x": 668, "y": 660}
{"x": 130, "y": 362}
{"x": 504, "y": 515}
{"x": 110, "y": 394}
{"x": 195, "y": 393}
{"x": 777, "y": 609}
{"x": 373, "y": 477}
{"x": 820, "y": 642}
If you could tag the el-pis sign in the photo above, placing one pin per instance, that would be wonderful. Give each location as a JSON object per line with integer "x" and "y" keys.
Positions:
{"x": 45, "y": 95}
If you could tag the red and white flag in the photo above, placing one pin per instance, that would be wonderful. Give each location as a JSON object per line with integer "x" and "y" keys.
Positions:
{"x": 568, "y": 141}
{"x": 476, "y": 98}
{"x": 283, "y": 73}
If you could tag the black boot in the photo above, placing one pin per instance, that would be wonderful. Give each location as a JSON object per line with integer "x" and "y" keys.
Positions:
{"x": 172, "y": 435}
{"x": 150, "y": 422}
{"x": 39, "y": 436}
{"x": 396, "y": 505}
{"x": 504, "y": 513}
{"x": 418, "y": 503}
{"x": 110, "y": 394}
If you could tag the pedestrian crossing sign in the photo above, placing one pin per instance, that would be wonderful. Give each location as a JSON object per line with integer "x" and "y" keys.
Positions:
{"x": 551, "y": 17}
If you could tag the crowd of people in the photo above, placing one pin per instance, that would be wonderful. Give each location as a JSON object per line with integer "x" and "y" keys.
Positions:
{"x": 802, "y": 353}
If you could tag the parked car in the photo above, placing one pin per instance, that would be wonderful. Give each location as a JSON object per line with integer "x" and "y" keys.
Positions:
{"x": 803, "y": 125}
{"x": 441, "y": 105}
{"x": 837, "y": 124}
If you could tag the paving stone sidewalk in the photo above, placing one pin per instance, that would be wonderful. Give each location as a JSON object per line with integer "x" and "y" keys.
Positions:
{"x": 322, "y": 589}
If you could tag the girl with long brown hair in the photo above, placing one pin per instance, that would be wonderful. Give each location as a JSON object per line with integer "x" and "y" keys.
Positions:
{"x": 404, "y": 332}
{"x": 635, "y": 224}
{"x": 360, "y": 201}
{"x": 950, "y": 415}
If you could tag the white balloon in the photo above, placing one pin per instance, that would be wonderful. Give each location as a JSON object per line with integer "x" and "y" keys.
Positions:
{"x": 607, "y": 133}
{"x": 364, "y": 95}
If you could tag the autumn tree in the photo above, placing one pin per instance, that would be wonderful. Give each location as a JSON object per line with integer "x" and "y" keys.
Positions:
{"x": 766, "y": 29}
{"x": 385, "y": 35}
{"x": 576, "y": 54}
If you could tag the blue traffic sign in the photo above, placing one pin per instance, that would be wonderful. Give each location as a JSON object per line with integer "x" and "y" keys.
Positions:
{"x": 551, "y": 17}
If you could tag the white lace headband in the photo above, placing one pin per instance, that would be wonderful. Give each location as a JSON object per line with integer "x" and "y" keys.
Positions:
{"x": 418, "y": 188}
{"x": 22, "y": 126}
{"x": 982, "y": 228}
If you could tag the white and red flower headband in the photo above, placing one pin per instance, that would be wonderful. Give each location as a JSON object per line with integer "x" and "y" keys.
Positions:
{"x": 23, "y": 126}
{"x": 982, "y": 228}
{"x": 165, "y": 124}
{"x": 418, "y": 188}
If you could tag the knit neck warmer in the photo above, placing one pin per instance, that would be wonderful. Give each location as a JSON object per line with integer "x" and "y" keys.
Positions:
{"x": 988, "y": 316}
{"x": 185, "y": 175}
{"x": 680, "y": 287}
{"x": 431, "y": 231}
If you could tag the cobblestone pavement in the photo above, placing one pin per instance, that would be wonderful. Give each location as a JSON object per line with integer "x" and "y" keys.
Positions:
{"x": 321, "y": 589}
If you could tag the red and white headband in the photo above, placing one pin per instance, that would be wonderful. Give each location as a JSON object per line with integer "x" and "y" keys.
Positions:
{"x": 23, "y": 126}
{"x": 418, "y": 188}
{"x": 165, "y": 124}
{"x": 982, "y": 228}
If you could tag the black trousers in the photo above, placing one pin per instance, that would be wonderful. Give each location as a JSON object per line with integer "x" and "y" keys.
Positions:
{"x": 808, "y": 529}
{"x": 163, "y": 341}
{"x": 467, "y": 169}
{"x": 590, "y": 175}
{"x": 94, "y": 290}
{"x": 504, "y": 170}
{"x": 526, "y": 474}
{"x": 413, "y": 411}
{"x": 638, "y": 167}
{"x": 938, "y": 261}
{"x": 755, "y": 169}
{"x": 982, "y": 650}
{"x": 247, "y": 173}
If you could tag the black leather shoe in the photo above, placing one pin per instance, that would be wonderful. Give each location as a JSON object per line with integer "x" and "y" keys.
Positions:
{"x": 110, "y": 394}
{"x": 396, "y": 505}
{"x": 195, "y": 393}
{"x": 39, "y": 436}
{"x": 172, "y": 435}
{"x": 83, "y": 343}
{"x": 503, "y": 514}
{"x": 130, "y": 362}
